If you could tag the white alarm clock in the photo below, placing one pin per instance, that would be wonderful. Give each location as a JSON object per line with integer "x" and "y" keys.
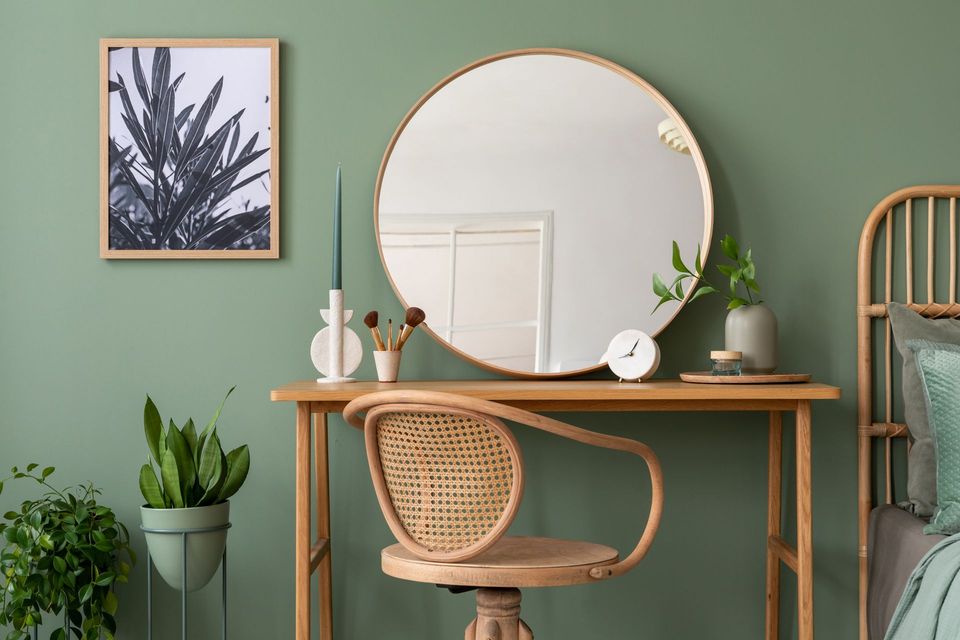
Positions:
{"x": 632, "y": 355}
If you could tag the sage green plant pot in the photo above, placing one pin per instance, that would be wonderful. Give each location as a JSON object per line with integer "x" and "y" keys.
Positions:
{"x": 752, "y": 330}
{"x": 204, "y": 550}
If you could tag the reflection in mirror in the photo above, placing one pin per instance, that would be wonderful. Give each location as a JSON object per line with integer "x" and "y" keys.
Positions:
{"x": 525, "y": 204}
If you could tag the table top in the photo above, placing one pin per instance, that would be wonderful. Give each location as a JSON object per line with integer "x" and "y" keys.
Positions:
{"x": 562, "y": 393}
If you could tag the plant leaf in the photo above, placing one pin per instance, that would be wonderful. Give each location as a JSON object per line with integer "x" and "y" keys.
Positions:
{"x": 183, "y": 115}
{"x": 702, "y": 291}
{"x": 209, "y": 459}
{"x": 697, "y": 264}
{"x": 736, "y": 302}
{"x": 730, "y": 248}
{"x": 229, "y": 173}
{"x": 190, "y": 435}
{"x": 161, "y": 75}
{"x": 233, "y": 229}
{"x": 216, "y": 416}
{"x": 150, "y": 487}
{"x": 194, "y": 187}
{"x": 133, "y": 124}
{"x": 110, "y": 603}
{"x": 194, "y": 133}
{"x": 152, "y": 428}
{"x": 247, "y": 148}
{"x": 171, "y": 479}
{"x": 139, "y": 78}
{"x": 186, "y": 471}
{"x": 104, "y": 579}
{"x": 233, "y": 142}
{"x": 217, "y": 478}
{"x": 238, "y": 465}
{"x": 677, "y": 260}
{"x": 659, "y": 287}
{"x": 752, "y": 284}
{"x": 663, "y": 299}
{"x": 165, "y": 126}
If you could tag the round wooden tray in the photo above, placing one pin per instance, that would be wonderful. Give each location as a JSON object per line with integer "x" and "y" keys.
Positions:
{"x": 705, "y": 377}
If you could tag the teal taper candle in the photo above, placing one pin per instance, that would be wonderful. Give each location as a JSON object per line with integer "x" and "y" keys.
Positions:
{"x": 337, "y": 278}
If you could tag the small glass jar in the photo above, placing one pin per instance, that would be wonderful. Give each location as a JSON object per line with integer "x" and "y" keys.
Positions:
{"x": 726, "y": 363}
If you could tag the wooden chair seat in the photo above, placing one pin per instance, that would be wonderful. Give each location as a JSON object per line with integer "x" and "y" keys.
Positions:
{"x": 512, "y": 562}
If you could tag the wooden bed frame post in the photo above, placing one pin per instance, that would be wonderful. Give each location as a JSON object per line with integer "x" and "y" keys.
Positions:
{"x": 869, "y": 313}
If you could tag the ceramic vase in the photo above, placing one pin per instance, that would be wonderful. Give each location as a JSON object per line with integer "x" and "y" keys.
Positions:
{"x": 204, "y": 550}
{"x": 752, "y": 330}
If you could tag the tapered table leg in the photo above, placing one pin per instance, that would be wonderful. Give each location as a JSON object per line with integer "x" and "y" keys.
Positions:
{"x": 302, "y": 592}
{"x": 804, "y": 524}
{"x": 322, "y": 474}
{"x": 774, "y": 459}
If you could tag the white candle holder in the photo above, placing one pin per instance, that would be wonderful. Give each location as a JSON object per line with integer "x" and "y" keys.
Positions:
{"x": 336, "y": 350}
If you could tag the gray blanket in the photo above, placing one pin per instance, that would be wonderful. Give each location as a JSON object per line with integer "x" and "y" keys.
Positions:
{"x": 930, "y": 606}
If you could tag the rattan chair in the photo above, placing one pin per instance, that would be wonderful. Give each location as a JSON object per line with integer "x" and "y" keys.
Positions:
{"x": 448, "y": 474}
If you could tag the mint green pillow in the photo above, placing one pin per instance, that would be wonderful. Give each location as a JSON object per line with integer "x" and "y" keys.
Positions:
{"x": 939, "y": 368}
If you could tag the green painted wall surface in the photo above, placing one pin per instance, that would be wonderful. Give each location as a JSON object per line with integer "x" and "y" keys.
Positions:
{"x": 808, "y": 113}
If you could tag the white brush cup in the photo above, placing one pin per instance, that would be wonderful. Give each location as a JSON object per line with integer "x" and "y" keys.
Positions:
{"x": 388, "y": 365}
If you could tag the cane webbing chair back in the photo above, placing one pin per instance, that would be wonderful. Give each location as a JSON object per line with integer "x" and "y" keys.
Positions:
{"x": 449, "y": 481}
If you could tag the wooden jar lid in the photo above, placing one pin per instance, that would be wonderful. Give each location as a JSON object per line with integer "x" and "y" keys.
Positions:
{"x": 726, "y": 355}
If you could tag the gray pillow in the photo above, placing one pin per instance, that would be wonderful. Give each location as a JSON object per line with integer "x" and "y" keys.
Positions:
{"x": 922, "y": 461}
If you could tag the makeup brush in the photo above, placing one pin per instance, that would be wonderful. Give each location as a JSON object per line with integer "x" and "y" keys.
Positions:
{"x": 371, "y": 320}
{"x": 390, "y": 334}
{"x": 415, "y": 316}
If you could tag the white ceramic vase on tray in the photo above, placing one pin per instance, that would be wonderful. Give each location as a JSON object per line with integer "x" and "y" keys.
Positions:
{"x": 752, "y": 330}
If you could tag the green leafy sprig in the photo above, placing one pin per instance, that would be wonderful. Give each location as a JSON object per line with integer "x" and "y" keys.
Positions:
{"x": 194, "y": 471}
{"x": 61, "y": 554}
{"x": 741, "y": 275}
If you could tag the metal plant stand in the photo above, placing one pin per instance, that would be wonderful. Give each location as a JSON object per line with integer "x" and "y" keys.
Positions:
{"x": 183, "y": 533}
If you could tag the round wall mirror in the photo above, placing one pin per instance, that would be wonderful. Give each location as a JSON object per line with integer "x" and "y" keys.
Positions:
{"x": 525, "y": 201}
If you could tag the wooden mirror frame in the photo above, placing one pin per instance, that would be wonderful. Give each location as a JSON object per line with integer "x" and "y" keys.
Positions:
{"x": 658, "y": 97}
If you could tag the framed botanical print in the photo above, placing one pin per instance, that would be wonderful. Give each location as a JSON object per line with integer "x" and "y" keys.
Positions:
{"x": 189, "y": 148}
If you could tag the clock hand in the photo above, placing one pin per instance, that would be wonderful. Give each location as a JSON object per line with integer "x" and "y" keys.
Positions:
{"x": 630, "y": 354}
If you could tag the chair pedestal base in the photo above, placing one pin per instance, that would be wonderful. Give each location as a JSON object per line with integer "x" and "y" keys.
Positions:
{"x": 498, "y": 617}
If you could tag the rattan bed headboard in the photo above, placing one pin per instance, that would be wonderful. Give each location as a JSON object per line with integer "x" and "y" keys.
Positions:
{"x": 883, "y": 276}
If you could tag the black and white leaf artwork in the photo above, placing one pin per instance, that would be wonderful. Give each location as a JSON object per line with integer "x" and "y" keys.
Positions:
{"x": 189, "y": 161}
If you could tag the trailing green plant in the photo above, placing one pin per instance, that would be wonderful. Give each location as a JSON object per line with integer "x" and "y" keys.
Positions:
{"x": 741, "y": 276}
{"x": 170, "y": 188}
{"x": 194, "y": 470}
{"x": 62, "y": 554}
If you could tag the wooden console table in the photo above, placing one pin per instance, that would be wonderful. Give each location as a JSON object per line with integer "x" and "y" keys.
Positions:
{"x": 313, "y": 399}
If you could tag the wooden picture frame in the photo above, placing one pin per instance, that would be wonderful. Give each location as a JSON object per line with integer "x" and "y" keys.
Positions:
{"x": 222, "y": 199}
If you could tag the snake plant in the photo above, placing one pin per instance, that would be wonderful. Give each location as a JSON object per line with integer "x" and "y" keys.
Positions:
{"x": 194, "y": 471}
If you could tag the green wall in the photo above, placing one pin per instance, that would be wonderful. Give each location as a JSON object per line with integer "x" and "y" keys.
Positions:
{"x": 808, "y": 113}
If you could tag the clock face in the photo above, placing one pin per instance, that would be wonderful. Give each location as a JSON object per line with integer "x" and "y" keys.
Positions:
{"x": 633, "y": 355}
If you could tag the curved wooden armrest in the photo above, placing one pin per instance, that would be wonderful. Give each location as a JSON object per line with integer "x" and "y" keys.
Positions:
{"x": 616, "y": 443}
{"x": 353, "y": 415}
